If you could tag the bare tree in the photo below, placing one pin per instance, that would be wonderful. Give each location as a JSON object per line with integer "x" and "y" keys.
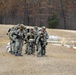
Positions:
{"x": 63, "y": 13}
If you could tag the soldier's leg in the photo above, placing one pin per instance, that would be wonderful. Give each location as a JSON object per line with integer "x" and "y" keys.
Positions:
{"x": 39, "y": 51}
{"x": 27, "y": 48}
{"x": 44, "y": 50}
{"x": 16, "y": 48}
{"x": 10, "y": 46}
{"x": 13, "y": 48}
{"x": 33, "y": 47}
{"x": 20, "y": 48}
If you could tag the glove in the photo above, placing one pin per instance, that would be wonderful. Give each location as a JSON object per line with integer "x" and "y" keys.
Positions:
{"x": 47, "y": 43}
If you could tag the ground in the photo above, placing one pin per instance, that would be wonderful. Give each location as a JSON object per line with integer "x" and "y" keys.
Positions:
{"x": 59, "y": 60}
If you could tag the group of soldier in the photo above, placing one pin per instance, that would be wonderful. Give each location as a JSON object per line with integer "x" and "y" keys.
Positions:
{"x": 34, "y": 38}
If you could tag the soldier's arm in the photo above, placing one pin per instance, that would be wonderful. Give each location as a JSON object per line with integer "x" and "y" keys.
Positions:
{"x": 45, "y": 41}
{"x": 26, "y": 37}
{"x": 11, "y": 36}
{"x": 25, "y": 33}
{"x": 37, "y": 40}
{"x": 47, "y": 36}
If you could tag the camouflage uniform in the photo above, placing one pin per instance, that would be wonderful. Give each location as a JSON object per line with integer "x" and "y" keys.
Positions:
{"x": 10, "y": 32}
{"x": 19, "y": 41}
{"x": 30, "y": 45}
{"x": 41, "y": 43}
{"x": 13, "y": 43}
{"x": 45, "y": 34}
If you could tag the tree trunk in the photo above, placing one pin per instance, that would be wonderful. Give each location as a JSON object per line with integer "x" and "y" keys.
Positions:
{"x": 63, "y": 14}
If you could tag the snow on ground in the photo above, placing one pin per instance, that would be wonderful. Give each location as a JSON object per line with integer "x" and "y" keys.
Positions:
{"x": 61, "y": 41}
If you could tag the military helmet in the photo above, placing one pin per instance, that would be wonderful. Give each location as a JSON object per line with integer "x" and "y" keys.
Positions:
{"x": 31, "y": 29}
{"x": 44, "y": 27}
{"x": 36, "y": 27}
{"x": 21, "y": 26}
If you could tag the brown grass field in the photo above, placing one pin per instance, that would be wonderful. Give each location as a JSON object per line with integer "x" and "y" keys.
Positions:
{"x": 59, "y": 60}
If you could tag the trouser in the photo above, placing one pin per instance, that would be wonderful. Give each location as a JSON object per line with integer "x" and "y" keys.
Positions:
{"x": 44, "y": 50}
{"x": 26, "y": 48}
{"x": 18, "y": 47}
{"x": 13, "y": 47}
{"x": 30, "y": 48}
{"x": 41, "y": 51}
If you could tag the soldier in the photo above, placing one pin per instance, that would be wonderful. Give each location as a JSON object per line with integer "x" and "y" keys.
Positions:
{"x": 27, "y": 32}
{"x": 41, "y": 42}
{"x": 13, "y": 37}
{"x": 10, "y": 31}
{"x": 30, "y": 45}
{"x": 19, "y": 41}
{"x": 43, "y": 30}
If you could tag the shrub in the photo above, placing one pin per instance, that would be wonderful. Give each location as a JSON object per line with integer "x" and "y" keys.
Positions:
{"x": 53, "y": 21}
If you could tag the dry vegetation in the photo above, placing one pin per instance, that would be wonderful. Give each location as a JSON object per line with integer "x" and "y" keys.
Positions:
{"x": 58, "y": 60}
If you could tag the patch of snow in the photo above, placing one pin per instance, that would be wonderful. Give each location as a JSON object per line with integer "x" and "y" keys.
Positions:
{"x": 66, "y": 45}
{"x": 57, "y": 44}
{"x": 8, "y": 47}
{"x": 52, "y": 37}
{"x": 58, "y": 41}
{"x": 74, "y": 47}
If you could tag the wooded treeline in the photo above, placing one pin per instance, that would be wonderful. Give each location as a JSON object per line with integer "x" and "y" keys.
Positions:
{"x": 36, "y": 12}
